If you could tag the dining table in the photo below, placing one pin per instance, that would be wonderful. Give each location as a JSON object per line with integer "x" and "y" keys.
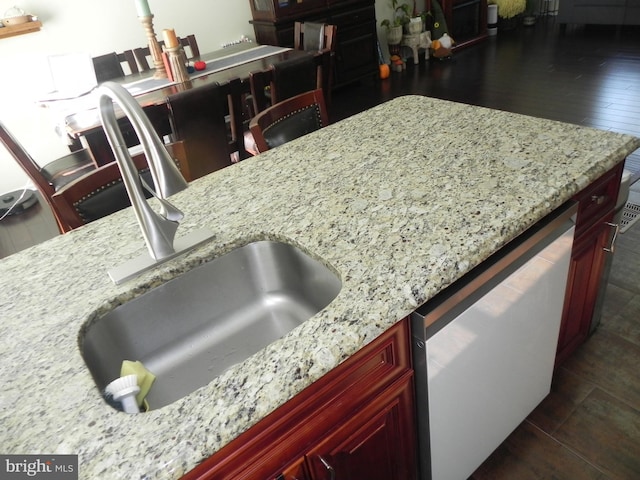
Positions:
{"x": 78, "y": 118}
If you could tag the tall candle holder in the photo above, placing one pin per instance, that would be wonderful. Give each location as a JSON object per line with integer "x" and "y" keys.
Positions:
{"x": 154, "y": 47}
{"x": 176, "y": 61}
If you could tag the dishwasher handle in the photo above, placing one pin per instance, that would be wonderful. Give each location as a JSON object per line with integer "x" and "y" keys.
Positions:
{"x": 612, "y": 245}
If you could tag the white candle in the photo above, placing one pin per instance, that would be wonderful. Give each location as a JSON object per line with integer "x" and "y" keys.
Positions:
{"x": 142, "y": 7}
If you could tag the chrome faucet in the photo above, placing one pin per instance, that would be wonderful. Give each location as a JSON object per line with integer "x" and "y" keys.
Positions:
{"x": 158, "y": 229}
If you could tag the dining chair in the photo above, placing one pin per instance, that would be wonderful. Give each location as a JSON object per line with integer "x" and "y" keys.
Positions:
{"x": 319, "y": 37}
{"x": 284, "y": 80}
{"x": 190, "y": 42}
{"x": 143, "y": 54}
{"x": 99, "y": 145}
{"x": 54, "y": 175}
{"x": 208, "y": 119}
{"x": 129, "y": 59}
{"x": 281, "y": 81}
{"x": 109, "y": 65}
{"x": 289, "y": 119}
{"x": 101, "y": 192}
{"x": 311, "y": 36}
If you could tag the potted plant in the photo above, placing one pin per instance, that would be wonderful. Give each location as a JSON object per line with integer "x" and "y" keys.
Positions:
{"x": 394, "y": 26}
{"x": 509, "y": 13}
{"x": 413, "y": 25}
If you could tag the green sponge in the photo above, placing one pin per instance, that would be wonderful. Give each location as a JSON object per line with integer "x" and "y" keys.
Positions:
{"x": 145, "y": 377}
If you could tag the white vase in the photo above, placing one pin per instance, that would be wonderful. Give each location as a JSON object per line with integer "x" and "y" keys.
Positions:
{"x": 414, "y": 26}
{"x": 492, "y": 19}
{"x": 394, "y": 35}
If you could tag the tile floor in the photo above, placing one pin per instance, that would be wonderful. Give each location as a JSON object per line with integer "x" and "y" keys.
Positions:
{"x": 589, "y": 426}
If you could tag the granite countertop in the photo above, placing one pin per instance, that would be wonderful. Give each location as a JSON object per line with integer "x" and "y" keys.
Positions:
{"x": 400, "y": 200}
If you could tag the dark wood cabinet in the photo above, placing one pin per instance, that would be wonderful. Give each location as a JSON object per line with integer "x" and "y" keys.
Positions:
{"x": 372, "y": 443}
{"x": 358, "y": 421}
{"x": 356, "y": 51}
{"x": 593, "y": 238}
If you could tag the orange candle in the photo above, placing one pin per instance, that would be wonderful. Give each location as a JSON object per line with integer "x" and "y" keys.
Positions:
{"x": 170, "y": 39}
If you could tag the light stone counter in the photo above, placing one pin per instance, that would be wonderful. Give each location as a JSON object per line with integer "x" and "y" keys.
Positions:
{"x": 401, "y": 200}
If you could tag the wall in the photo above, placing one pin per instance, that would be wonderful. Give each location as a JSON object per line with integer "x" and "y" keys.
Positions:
{"x": 97, "y": 27}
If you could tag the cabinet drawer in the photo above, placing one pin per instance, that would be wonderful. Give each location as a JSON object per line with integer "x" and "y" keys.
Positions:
{"x": 598, "y": 199}
{"x": 276, "y": 10}
{"x": 353, "y": 17}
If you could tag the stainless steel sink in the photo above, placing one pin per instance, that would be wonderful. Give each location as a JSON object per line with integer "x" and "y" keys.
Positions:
{"x": 191, "y": 329}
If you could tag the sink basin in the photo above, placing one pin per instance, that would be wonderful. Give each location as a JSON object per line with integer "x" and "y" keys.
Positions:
{"x": 194, "y": 327}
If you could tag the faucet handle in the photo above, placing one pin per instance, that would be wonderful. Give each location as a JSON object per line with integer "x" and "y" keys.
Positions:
{"x": 169, "y": 211}
{"x": 165, "y": 173}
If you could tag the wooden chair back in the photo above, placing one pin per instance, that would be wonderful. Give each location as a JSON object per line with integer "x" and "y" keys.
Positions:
{"x": 312, "y": 36}
{"x": 198, "y": 117}
{"x": 54, "y": 175}
{"x": 102, "y": 192}
{"x": 143, "y": 54}
{"x": 190, "y": 42}
{"x": 319, "y": 37}
{"x": 109, "y": 65}
{"x": 129, "y": 59}
{"x": 289, "y": 119}
{"x": 286, "y": 79}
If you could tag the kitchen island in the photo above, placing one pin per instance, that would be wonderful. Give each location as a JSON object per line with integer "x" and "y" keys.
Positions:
{"x": 400, "y": 200}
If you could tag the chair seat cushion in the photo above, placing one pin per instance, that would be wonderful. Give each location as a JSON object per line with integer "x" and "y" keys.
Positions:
{"x": 109, "y": 199}
{"x": 294, "y": 125}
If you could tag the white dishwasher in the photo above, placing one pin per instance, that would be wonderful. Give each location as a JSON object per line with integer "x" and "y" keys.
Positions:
{"x": 484, "y": 348}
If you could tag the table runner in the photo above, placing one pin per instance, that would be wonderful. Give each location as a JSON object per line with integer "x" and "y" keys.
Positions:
{"x": 85, "y": 107}
{"x": 147, "y": 85}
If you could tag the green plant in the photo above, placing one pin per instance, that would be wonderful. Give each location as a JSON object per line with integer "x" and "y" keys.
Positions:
{"x": 510, "y": 8}
{"x": 401, "y": 15}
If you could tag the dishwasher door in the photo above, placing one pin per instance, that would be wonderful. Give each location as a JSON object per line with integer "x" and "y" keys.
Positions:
{"x": 484, "y": 348}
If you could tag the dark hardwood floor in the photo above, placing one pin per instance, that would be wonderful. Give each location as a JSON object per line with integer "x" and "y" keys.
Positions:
{"x": 588, "y": 76}
{"x": 32, "y": 226}
{"x": 589, "y": 426}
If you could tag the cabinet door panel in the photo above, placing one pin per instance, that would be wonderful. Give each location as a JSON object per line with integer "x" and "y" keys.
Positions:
{"x": 377, "y": 443}
{"x": 275, "y": 447}
{"x": 356, "y": 55}
{"x": 585, "y": 272}
{"x": 295, "y": 471}
{"x": 598, "y": 200}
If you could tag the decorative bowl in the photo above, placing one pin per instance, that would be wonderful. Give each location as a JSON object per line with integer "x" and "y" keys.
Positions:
{"x": 11, "y": 21}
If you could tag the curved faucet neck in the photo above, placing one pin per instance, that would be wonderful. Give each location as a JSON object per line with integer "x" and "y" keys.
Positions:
{"x": 158, "y": 230}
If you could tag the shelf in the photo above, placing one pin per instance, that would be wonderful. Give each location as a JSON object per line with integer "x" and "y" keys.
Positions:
{"x": 21, "y": 29}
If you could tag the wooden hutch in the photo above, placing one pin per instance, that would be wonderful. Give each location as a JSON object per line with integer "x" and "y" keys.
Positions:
{"x": 356, "y": 51}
